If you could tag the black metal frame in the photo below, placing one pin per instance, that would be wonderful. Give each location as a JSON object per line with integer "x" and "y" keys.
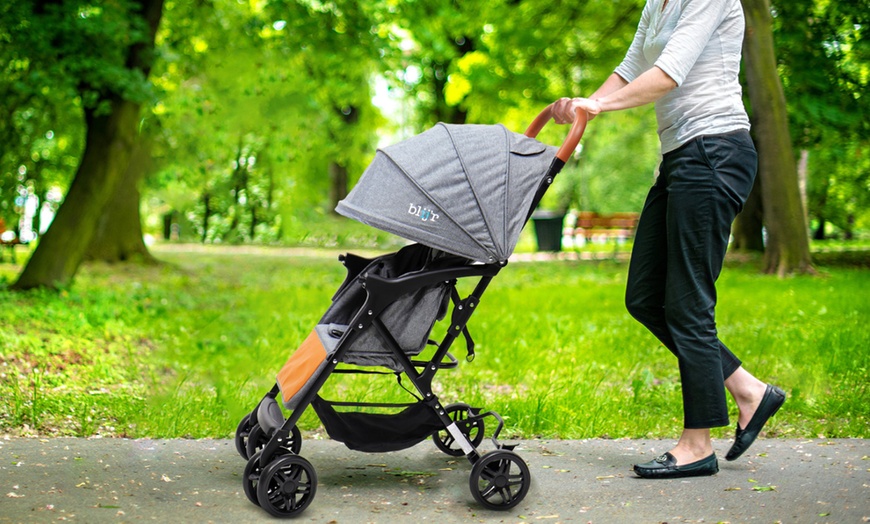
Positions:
{"x": 380, "y": 293}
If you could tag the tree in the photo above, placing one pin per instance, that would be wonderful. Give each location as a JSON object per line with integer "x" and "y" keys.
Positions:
{"x": 41, "y": 131}
{"x": 118, "y": 235}
{"x": 104, "y": 53}
{"x": 823, "y": 56}
{"x": 486, "y": 61}
{"x": 748, "y": 228}
{"x": 339, "y": 46}
{"x": 787, "y": 249}
{"x": 230, "y": 124}
{"x": 822, "y": 60}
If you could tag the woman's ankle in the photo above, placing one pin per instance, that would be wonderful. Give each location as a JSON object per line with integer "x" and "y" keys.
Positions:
{"x": 745, "y": 388}
{"x": 694, "y": 445}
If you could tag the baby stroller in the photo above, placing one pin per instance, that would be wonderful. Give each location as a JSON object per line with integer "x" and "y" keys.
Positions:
{"x": 462, "y": 193}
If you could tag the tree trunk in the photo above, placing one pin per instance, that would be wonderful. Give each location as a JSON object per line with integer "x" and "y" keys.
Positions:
{"x": 206, "y": 215}
{"x": 803, "y": 168}
{"x": 822, "y": 210}
{"x": 787, "y": 249}
{"x": 338, "y": 182}
{"x": 118, "y": 237}
{"x": 747, "y": 229}
{"x": 338, "y": 173}
{"x": 109, "y": 142}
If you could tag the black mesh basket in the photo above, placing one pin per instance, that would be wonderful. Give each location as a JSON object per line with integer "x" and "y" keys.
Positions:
{"x": 378, "y": 432}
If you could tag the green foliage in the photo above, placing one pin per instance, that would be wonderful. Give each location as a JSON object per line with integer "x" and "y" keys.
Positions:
{"x": 615, "y": 168}
{"x": 487, "y": 62}
{"x": 824, "y": 57}
{"x": 187, "y": 348}
{"x": 257, "y": 103}
{"x": 839, "y": 184}
{"x": 260, "y": 114}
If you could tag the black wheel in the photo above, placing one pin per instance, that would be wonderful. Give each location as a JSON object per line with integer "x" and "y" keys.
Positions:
{"x": 445, "y": 441}
{"x": 242, "y": 433}
{"x": 257, "y": 439}
{"x": 287, "y": 486}
{"x": 499, "y": 480}
{"x": 251, "y": 477}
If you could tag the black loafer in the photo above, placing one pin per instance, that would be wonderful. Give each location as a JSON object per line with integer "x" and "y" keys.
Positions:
{"x": 770, "y": 404}
{"x": 665, "y": 467}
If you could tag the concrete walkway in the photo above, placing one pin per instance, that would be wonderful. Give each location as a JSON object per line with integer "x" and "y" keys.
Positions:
{"x": 119, "y": 480}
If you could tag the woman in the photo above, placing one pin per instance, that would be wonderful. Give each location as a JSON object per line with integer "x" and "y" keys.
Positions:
{"x": 685, "y": 57}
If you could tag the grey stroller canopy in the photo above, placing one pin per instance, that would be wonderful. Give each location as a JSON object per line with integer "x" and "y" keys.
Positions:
{"x": 464, "y": 189}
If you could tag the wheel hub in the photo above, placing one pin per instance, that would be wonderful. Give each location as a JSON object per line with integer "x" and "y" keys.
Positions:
{"x": 289, "y": 487}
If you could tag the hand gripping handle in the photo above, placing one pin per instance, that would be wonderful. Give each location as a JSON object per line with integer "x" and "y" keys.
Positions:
{"x": 574, "y": 135}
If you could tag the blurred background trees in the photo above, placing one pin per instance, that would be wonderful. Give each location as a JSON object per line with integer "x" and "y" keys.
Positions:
{"x": 246, "y": 121}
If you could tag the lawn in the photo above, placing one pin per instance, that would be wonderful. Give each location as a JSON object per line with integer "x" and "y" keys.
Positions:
{"x": 186, "y": 348}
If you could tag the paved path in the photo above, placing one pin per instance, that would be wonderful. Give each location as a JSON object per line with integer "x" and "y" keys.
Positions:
{"x": 119, "y": 480}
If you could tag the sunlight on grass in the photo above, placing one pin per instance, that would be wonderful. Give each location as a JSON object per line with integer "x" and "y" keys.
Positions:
{"x": 187, "y": 348}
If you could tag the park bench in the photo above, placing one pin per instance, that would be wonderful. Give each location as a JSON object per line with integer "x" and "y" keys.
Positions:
{"x": 590, "y": 227}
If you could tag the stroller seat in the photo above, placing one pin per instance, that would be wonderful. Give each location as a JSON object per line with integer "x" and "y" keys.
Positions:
{"x": 407, "y": 322}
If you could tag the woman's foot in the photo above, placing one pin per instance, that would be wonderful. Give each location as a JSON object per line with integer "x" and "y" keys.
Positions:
{"x": 667, "y": 467}
{"x": 692, "y": 456}
{"x": 771, "y": 401}
{"x": 756, "y": 402}
{"x": 747, "y": 392}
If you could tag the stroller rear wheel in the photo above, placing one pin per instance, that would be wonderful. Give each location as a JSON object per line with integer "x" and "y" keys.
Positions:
{"x": 474, "y": 432}
{"x": 287, "y": 486}
{"x": 257, "y": 439}
{"x": 499, "y": 480}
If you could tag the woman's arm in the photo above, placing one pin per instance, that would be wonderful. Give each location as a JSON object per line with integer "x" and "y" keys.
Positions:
{"x": 645, "y": 89}
{"x": 616, "y": 94}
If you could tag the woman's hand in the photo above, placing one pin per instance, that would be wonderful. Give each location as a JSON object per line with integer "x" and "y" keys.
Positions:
{"x": 565, "y": 109}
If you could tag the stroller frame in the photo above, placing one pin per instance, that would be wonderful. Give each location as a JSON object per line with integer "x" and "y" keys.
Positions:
{"x": 283, "y": 483}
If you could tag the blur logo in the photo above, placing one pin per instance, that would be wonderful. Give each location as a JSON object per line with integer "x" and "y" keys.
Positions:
{"x": 426, "y": 215}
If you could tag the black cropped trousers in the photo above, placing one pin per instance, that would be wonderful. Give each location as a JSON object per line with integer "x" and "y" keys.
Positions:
{"x": 678, "y": 252}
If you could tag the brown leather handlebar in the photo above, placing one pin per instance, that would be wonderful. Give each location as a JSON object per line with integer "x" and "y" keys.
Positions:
{"x": 574, "y": 135}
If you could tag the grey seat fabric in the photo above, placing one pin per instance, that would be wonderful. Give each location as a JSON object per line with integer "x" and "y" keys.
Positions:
{"x": 409, "y": 318}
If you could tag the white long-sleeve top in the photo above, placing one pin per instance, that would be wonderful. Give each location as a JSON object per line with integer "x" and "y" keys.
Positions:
{"x": 698, "y": 44}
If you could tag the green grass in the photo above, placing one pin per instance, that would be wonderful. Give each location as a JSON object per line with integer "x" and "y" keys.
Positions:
{"x": 186, "y": 348}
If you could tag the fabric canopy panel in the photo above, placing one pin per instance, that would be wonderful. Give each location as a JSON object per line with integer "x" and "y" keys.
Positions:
{"x": 465, "y": 189}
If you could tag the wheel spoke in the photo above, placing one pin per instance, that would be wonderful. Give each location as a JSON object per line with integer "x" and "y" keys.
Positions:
{"x": 487, "y": 475}
{"x": 275, "y": 496}
{"x": 280, "y": 477}
{"x": 506, "y": 495}
{"x": 489, "y": 491}
{"x": 515, "y": 480}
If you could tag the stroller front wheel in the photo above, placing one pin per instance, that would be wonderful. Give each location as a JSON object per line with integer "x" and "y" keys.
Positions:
{"x": 243, "y": 431}
{"x": 257, "y": 440}
{"x": 251, "y": 477}
{"x": 474, "y": 432}
{"x": 499, "y": 480}
{"x": 287, "y": 486}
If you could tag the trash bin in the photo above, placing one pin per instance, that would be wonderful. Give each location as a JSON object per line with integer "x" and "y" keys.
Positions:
{"x": 548, "y": 229}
